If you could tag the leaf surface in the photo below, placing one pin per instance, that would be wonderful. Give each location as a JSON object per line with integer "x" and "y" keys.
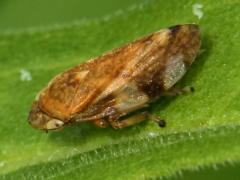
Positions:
{"x": 202, "y": 128}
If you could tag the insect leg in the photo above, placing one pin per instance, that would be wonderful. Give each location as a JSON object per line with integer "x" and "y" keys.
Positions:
{"x": 159, "y": 121}
{"x": 174, "y": 91}
{"x": 100, "y": 123}
{"x": 134, "y": 119}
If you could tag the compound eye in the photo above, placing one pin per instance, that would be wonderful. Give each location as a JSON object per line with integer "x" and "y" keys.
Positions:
{"x": 54, "y": 124}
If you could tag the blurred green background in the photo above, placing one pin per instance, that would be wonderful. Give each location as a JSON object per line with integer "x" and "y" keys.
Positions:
{"x": 21, "y": 14}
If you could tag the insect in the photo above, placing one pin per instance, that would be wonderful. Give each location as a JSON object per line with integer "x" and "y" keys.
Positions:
{"x": 110, "y": 88}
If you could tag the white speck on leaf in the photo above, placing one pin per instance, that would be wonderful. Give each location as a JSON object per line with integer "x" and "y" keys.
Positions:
{"x": 197, "y": 10}
{"x": 25, "y": 75}
{"x": 152, "y": 134}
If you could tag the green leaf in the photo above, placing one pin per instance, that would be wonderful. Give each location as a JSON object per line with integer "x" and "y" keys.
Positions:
{"x": 55, "y": 11}
{"x": 203, "y": 128}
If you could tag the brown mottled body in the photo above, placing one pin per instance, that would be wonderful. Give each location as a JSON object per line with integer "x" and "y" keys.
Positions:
{"x": 122, "y": 81}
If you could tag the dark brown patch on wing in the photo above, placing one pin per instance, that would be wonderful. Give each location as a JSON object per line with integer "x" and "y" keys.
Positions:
{"x": 174, "y": 29}
{"x": 182, "y": 40}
